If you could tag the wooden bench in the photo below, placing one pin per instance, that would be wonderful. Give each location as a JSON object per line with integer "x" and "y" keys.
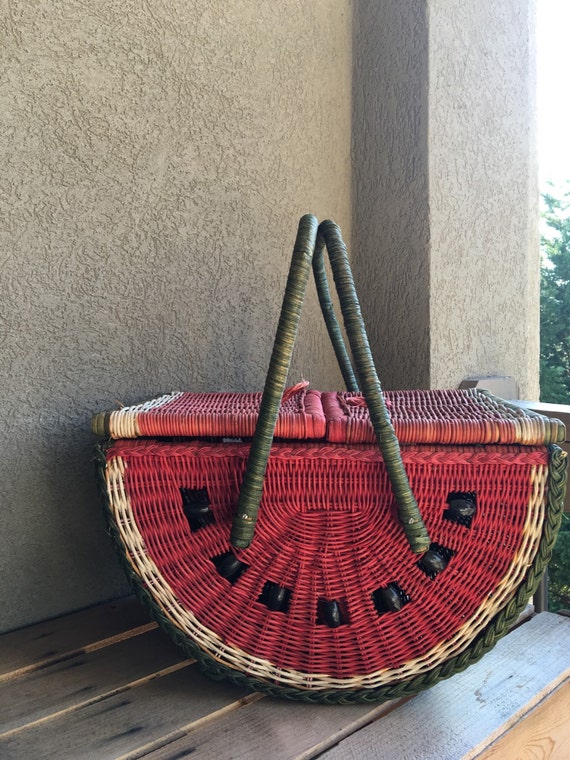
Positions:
{"x": 106, "y": 683}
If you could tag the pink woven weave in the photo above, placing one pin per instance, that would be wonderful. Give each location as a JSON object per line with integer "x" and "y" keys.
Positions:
{"x": 233, "y": 415}
{"x": 435, "y": 416}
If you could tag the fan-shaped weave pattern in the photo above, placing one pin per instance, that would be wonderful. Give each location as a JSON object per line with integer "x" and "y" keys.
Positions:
{"x": 327, "y": 532}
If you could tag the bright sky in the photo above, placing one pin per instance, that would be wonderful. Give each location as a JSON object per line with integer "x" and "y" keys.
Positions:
{"x": 553, "y": 62}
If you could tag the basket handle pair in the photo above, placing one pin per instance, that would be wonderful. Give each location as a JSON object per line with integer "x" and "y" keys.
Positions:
{"x": 308, "y": 252}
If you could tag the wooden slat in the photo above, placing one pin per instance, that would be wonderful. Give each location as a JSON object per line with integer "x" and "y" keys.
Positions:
{"x": 210, "y": 723}
{"x": 49, "y": 642}
{"x": 458, "y": 718}
{"x": 544, "y": 733}
{"x": 121, "y": 724}
{"x": 277, "y": 729}
{"x": 85, "y": 678}
{"x": 128, "y": 698}
{"x": 271, "y": 728}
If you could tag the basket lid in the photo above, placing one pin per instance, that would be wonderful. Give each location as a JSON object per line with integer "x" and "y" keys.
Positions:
{"x": 215, "y": 415}
{"x": 470, "y": 416}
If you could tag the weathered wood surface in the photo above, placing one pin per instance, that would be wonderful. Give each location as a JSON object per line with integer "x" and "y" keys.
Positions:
{"x": 48, "y": 642}
{"x": 544, "y": 733}
{"x": 272, "y": 729}
{"x": 103, "y": 684}
{"x": 460, "y": 717}
{"x": 85, "y": 678}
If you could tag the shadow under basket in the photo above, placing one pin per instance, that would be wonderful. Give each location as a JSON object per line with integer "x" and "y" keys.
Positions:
{"x": 329, "y": 597}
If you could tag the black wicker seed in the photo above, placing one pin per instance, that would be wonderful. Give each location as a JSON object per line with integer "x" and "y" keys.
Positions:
{"x": 196, "y": 507}
{"x": 197, "y": 510}
{"x": 275, "y": 597}
{"x": 331, "y": 613}
{"x": 229, "y": 566}
{"x": 462, "y": 506}
{"x": 435, "y": 560}
{"x": 389, "y": 598}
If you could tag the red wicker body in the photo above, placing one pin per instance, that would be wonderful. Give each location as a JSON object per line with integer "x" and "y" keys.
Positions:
{"x": 327, "y": 532}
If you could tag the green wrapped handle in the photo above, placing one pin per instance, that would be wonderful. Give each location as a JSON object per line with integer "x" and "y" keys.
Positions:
{"x": 252, "y": 484}
{"x": 331, "y": 322}
{"x": 309, "y": 247}
{"x": 329, "y": 235}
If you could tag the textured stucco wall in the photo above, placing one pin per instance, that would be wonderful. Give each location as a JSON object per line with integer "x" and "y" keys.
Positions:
{"x": 391, "y": 225}
{"x": 155, "y": 160}
{"x": 444, "y": 189}
{"x": 483, "y": 193}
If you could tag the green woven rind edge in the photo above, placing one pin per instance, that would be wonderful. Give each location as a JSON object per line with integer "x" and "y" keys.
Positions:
{"x": 100, "y": 424}
{"x": 482, "y": 644}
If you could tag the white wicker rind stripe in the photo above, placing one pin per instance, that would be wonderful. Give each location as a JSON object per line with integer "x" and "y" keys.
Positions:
{"x": 123, "y": 422}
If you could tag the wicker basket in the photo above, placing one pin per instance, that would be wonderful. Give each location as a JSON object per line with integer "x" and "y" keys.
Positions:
{"x": 333, "y": 547}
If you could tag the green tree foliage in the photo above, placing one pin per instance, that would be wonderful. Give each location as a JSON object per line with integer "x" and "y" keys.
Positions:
{"x": 559, "y": 570}
{"x": 555, "y": 301}
{"x": 555, "y": 357}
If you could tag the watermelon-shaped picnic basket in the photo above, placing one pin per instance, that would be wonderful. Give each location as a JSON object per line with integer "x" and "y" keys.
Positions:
{"x": 332, "y": 546}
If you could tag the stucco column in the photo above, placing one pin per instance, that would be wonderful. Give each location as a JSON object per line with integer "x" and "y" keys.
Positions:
{"x": 445, "y": 215}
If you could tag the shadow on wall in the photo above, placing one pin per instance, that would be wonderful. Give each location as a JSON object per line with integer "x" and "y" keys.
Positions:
{"x": 390, "y": 235}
